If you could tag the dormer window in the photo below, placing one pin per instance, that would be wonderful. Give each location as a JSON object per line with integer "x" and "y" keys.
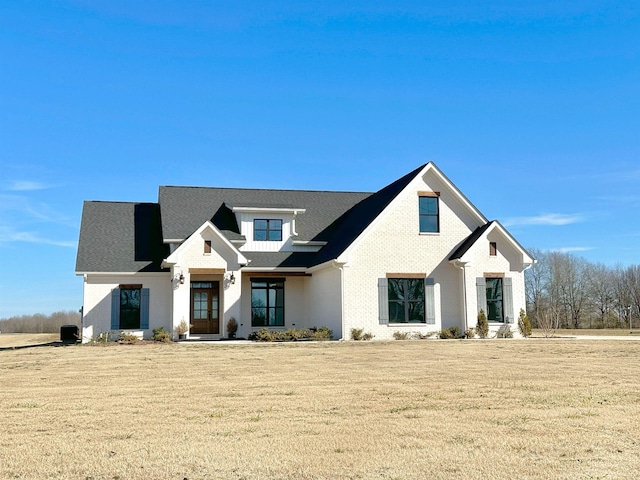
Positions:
{"x": 267, "y": 230}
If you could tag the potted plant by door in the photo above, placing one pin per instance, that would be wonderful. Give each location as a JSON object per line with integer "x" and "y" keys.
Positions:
{"x": 182, "y": 330}
{"x": 232, "y": 328}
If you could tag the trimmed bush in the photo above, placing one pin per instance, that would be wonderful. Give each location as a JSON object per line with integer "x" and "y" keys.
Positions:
{"x": 449, "y": 333}
{"x": 524, "y": 325}
{"x": 401, "y": 335}
{"x": 482, "y": 327}
{"x": 160, "y": 335}
{"x": 504, "y": 332}
{"x": 128, "y": 338}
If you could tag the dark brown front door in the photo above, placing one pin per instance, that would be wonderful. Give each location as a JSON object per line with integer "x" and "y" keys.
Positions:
{"x": 205, "y": 310}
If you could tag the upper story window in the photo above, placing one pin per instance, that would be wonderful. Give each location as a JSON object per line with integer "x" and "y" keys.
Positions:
{"x": 267, "y": 230}
{"x": 493, "y": 249}
{"x": 429, "y": 211}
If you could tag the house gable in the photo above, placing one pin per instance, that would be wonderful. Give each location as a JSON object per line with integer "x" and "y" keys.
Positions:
{"x": 206, "y": 246}
{"x": 427, "y": 178}
{"x": 478, "y": 245}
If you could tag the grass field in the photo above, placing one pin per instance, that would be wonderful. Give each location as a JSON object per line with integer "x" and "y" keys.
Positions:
{"x": 376, "y": 410}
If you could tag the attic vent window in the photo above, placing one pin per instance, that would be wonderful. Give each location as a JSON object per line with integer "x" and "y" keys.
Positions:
{"x": 267, "y": 230}
{"x": 493, "y": 249}
{"x": 207, "y": 246}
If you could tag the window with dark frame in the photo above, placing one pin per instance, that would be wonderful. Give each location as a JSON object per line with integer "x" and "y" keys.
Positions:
{"x": 130, "y": 307}
{"x": 493, "y": 249}
{"x": 429, "y": 214}
{"x": 495, "y": 307}
{"x": 267, "y": 230}
{"x": 267, "y": 302}
{"x": 406, "y": 300}
{"x": 207, "y": 246}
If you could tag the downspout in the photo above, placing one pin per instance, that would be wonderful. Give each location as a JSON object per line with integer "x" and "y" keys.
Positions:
{"x": 462, "y": 266}
{"x": 340, "y": 266}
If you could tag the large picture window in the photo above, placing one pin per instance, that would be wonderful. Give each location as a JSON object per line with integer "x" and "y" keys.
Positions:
{"x": 494, "y": 300}
{"x": 267, "y": 303}
{"x": 267, "y": 230}
{"x": 429, "y": 214}
{"x": 406, "y": 300}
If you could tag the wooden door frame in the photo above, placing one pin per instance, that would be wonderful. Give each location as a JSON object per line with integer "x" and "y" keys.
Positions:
{"x": 215, "y": 287}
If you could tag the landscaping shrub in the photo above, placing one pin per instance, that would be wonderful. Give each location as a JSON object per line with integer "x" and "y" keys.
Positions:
{"x": 482, "y": 327}
{"x": 358, "y": 334}
{"x": 128, "y": 338}
{"x": 449, "y": 333}
{"x": 524, "y": 325}
{"x": 160, "y": 335}
{"x": 469, "y": 333}
{"x": 422, "y": 336}
{"x": 504, "y": 332}
{"x": 290, "y": 335}
{"x": 401, "y": 335}
{"x": 322, "y": 333}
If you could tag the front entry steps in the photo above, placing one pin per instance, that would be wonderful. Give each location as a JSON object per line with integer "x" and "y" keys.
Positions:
{"x": 203, "y": 337}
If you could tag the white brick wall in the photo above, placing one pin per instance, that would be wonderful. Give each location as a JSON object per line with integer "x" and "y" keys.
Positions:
{"x": 395, "y": 245}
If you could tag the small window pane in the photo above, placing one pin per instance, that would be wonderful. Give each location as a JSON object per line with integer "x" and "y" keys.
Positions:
{"x": 429, "y": 205}
{"x": 428, "y": 224}
{"x": 258, "y": 317}
{"x": 260, "y": 224}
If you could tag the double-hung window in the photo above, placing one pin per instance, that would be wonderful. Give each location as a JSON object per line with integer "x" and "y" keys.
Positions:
{"x": 429, "y": 212}
{"x": 267, "y": 230}
{"x": 406, "y": 300}
{"x": 267, "y": 302}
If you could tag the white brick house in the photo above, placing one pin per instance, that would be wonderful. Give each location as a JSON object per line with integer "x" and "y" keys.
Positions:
{"x": 416, "y": 256}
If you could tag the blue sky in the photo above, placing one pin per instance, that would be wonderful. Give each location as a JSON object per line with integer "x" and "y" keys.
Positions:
{"x": 531, "y": 108}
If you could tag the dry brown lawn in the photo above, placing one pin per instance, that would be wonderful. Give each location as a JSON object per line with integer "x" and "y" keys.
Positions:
{"x": 22, "y": 339}
{"x": 377, "y": 410}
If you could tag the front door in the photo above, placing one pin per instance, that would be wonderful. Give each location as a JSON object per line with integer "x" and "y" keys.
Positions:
{"x": 205, "y": 310}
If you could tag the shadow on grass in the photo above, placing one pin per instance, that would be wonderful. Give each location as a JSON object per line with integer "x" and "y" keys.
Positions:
{"x": 36, "y": 345}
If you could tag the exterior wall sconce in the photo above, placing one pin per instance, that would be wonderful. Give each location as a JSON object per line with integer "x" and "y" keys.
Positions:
{"x": 230, "y": 277}
{"x": 178, "y": 278}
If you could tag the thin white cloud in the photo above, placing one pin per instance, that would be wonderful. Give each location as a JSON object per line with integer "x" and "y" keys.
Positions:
{"x": 570, "y": 249}
{"x": 554, "y": 219}
{"x": 33, "y": 210}
{"x": 10, "y": 235}
{"x": 27, "y": 186}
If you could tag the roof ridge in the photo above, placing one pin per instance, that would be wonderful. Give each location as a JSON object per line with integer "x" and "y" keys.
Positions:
{"x": 268, "y": 189}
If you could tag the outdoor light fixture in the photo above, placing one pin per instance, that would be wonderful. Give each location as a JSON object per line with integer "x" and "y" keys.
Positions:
{"x": 230, "y": 277}
{"x": 178, "y": 278}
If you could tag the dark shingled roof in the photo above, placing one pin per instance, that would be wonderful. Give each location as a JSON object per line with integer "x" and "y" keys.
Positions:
{"x": 120, "y": 237}
{"x": 469, "y": 241}
{"x": 128, "y": 237}
{"x": 185, "y": 209}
